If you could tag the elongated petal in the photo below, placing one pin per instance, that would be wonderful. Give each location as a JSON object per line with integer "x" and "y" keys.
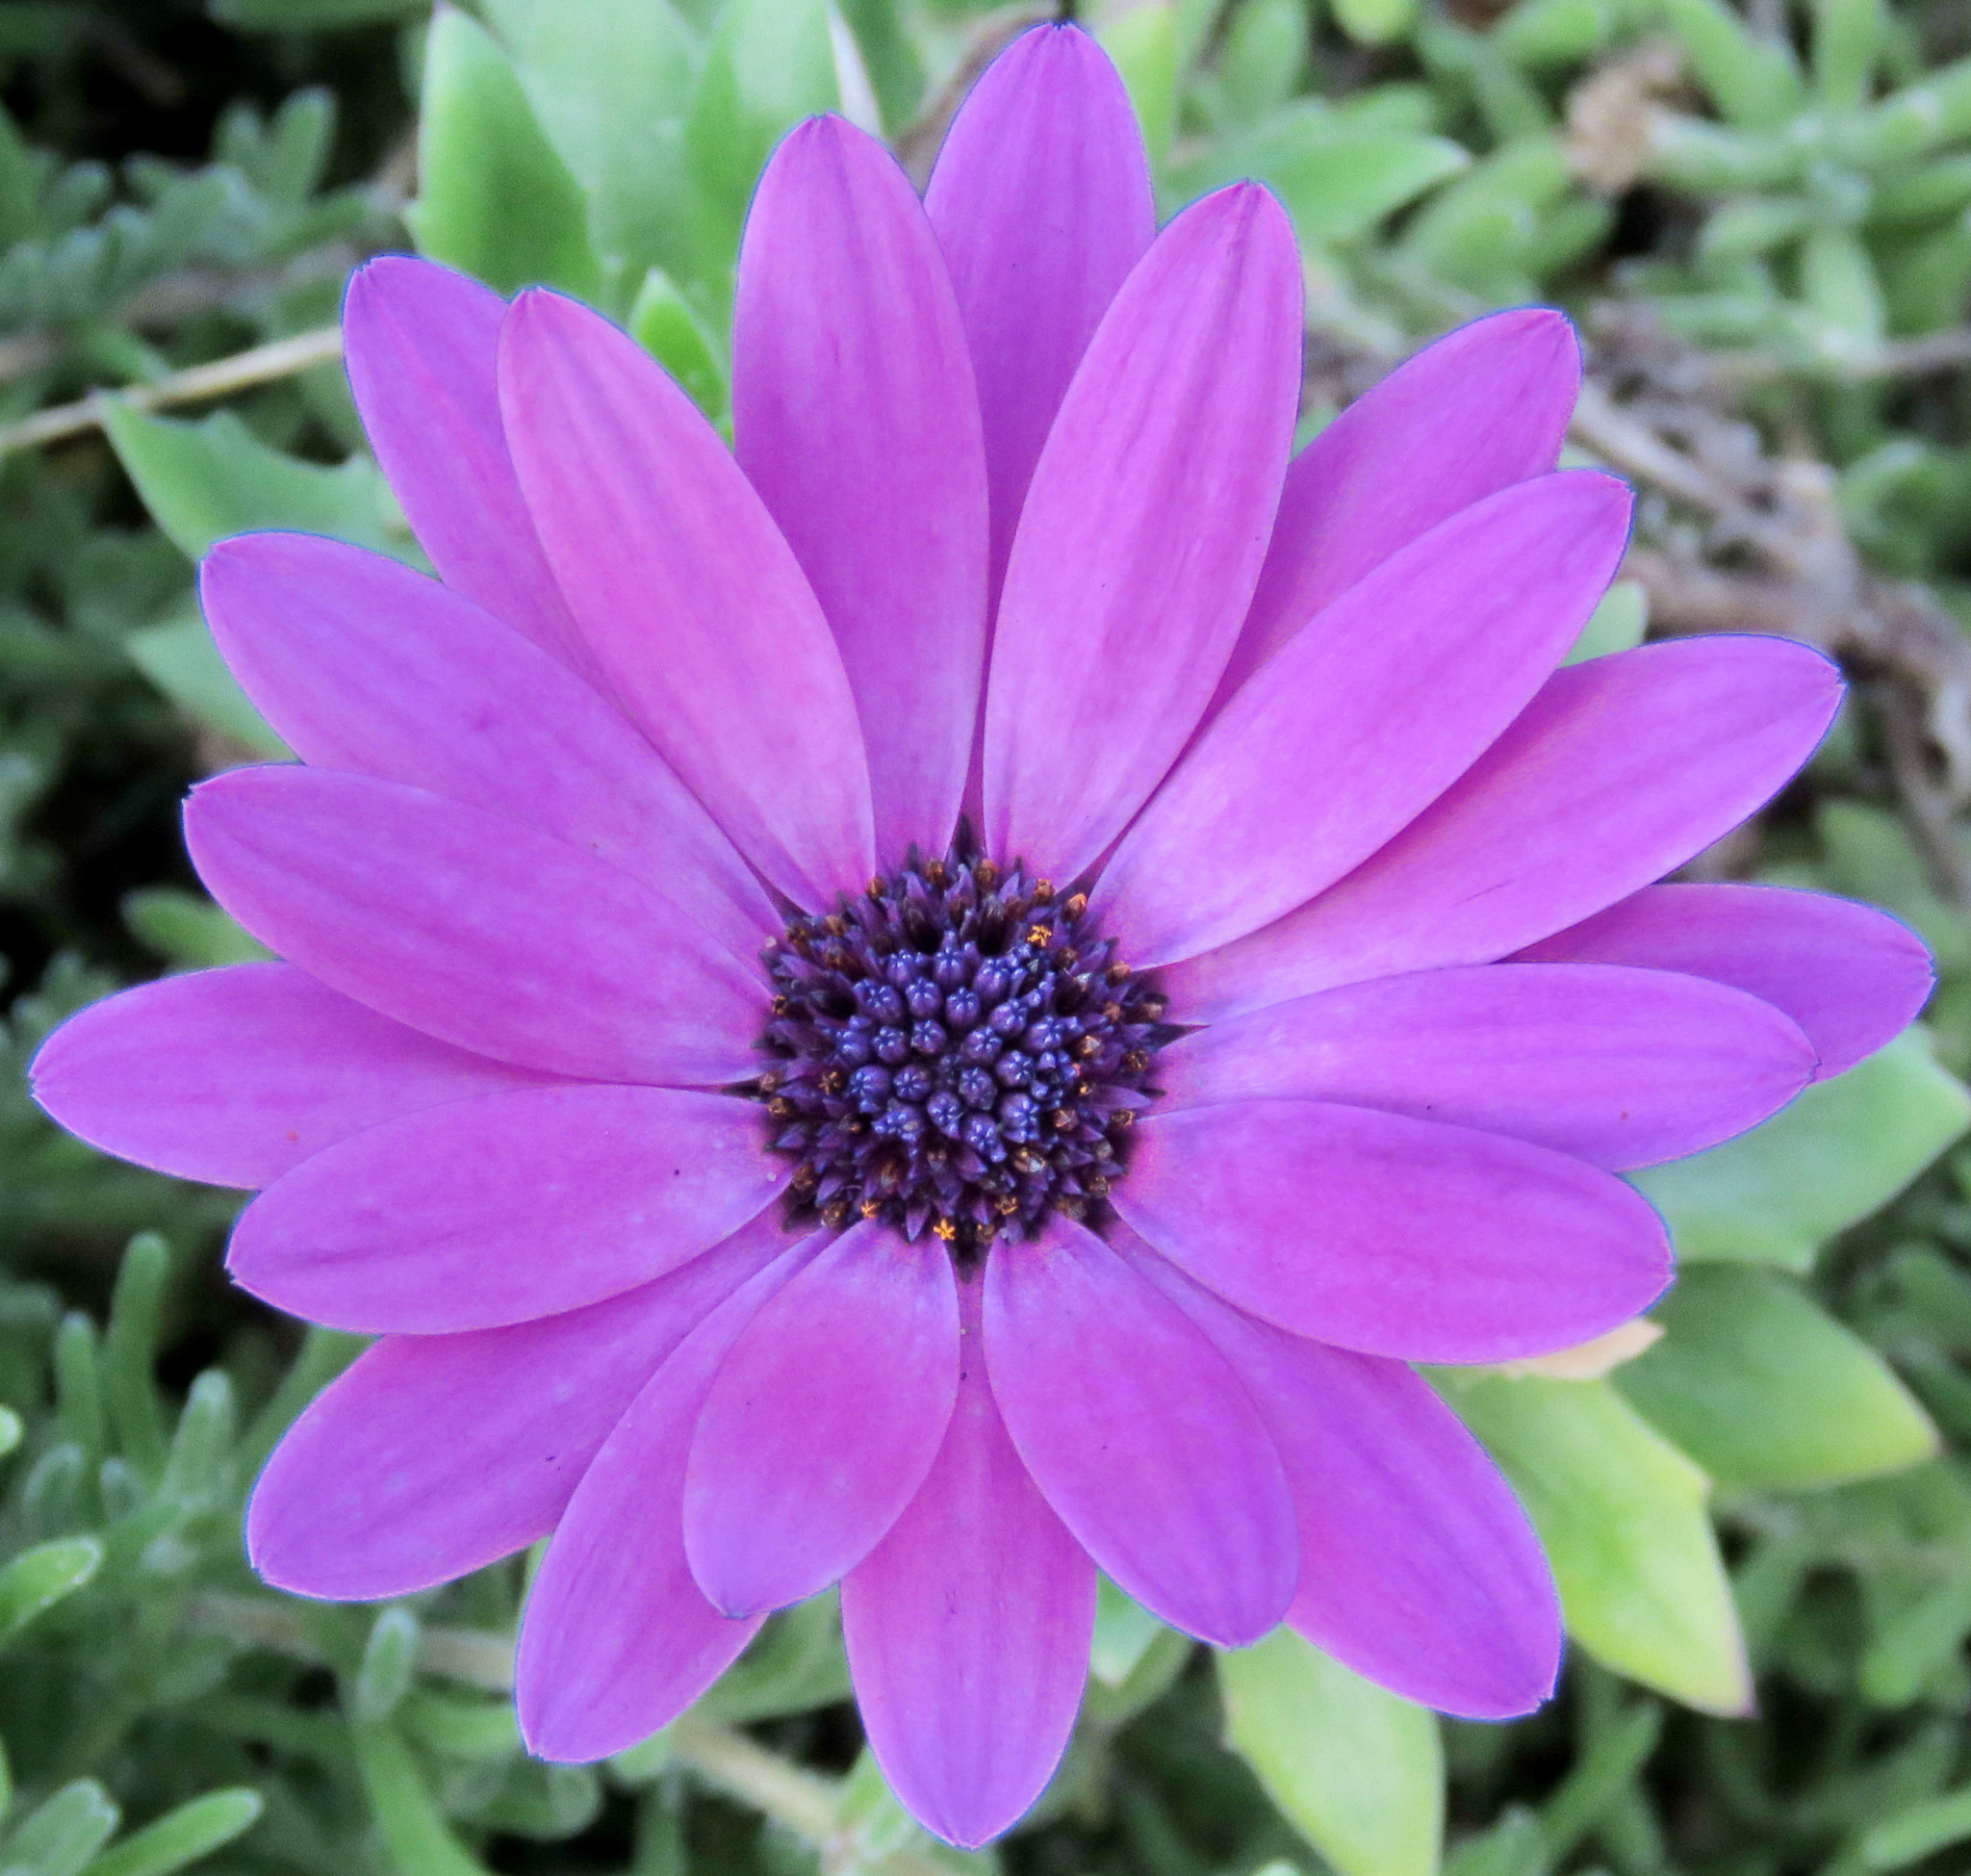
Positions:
{"x": 437, "y": 1454}
{"x": 1041, "y": 201}
{"x": 823, "y": 1421}
{"x": 1621, "y": 769}
{"x": 1138, "y": 1434}
{"x": 363, "y": 664}
{"x": 1369, "y": 716}
{"x": 694, "y": 605}
{"x": 1852, "y": 977}
{"x": 1393, "y": 1236}
{"x": 855, "y": 417}
{"x": 1484, "y": 407}
{"x": 233, "y": 1076}
{"x": 1418, "y": 1567}
{"x": 473, "y": 928}
{"x": 421, "y": 343}
{"x": 1142, "y": 532}
{"x": 615, "y": 1639}
{"x": 492, "y": 1211}
{"x": 968, "y": 1627}
{"x": 1617, "y": 1067}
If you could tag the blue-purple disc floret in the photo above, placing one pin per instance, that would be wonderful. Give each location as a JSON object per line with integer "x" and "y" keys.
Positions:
{"x": 956, "y": 1049}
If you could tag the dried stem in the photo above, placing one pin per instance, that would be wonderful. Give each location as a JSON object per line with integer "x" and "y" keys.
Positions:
{"x": 262, "y": 365}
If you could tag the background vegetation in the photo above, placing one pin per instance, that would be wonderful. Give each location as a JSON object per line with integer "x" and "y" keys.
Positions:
{"x": 1762, "y": 219}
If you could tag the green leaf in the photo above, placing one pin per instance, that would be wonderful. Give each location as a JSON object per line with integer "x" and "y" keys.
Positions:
{"x": 1921, "y": 1830}
{"x": 1124, "y": 1631}
{"x": 770, "y": 64}
{"x": 390, "y": 1658}
{"x": 1621, "y": 1515}
{"x": 61, "y": 1835}
{"x": 204, "y": 482}
{"x": 1143, "y": 41}
{"x": 1843, "y": 1150}
{"x": 610, "y": 82}
{"x": 192, "y": 932}
{"x": 303, "y": 16}
{"x": 38, "y": 1579}
{"x": 1752, "y": 81}
{"x": 1617, "y": 625}
{"x": 1765, "y": 1390}
{"x": 495, "y": 200}
{"x": 178, "y": 656}
{"x": 1357, "y": 1771}
{"x": 1837, "y": 281}
{"x": 181, "y": 1836}
{"x": 663, "y": 324}
{"x": 416, "y": 1837}
{"x": 10, "y": 1430}
{"x": 872, "y": 1828}
{"x": 793, "y": 1665}
{"x": 1376, "y": 22}
{"x": 1337, "y": 180}
{"x": 130, "y": 1349}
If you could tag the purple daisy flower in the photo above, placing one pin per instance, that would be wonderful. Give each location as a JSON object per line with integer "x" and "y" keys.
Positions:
{"x": 952, "y": 995}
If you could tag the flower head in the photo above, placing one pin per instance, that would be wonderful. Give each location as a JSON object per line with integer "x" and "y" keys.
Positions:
{"x": 952, "y": 995}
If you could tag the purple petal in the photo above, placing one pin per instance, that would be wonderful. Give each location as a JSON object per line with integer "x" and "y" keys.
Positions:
{"x": 493, "y": 1211}
{"x": 1138, "y": 1434}
{"x": 1484, "y": 407}
{"x": 1852, "y": 977}
{"x": 616, "y": 1640}
{"x": 855, "y": 417}
{"x": 435, "y": 1456}
{"x": 473, "y": 928}
{"x": 968, "y": 1628}
{"x": 235, "y": 1076}
{"x": 362, "y": 664}
{"x": 1418, "y": 1567}
{"x": 1617, "y": 1067}
{"x": 695, "y": 607}
{"x": 1142, "y": 532}
{"x": 823, "y": 1421}
{"x": 420, "y": 343}
{"x": 1042, "y": 204}
{"x": 1393, "y": 1235}
{"x": 1370, "y": 714}
{"x": 1621, "y": 769}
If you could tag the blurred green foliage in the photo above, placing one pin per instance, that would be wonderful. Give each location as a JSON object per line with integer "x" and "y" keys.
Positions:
{"x": 1775, "y": 1494}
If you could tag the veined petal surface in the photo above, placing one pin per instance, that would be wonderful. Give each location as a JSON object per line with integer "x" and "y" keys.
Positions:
{"x": 1482, "y": 408}
{"x": 1619, "y": 770}
{"x": 1142, "y": 532}
{"x": 493, "y": 1211}
{"x": 824, "y": 1419}
{"x": 1042, "y": 204}
{"x": 437, "y": 1454}
{"x": 1615, "y": 1066}
{"x": 617, "y": 1639}
{"x": 235, "y": 1076}
{"x": 855, "y": 417}
{"x": 1852, "y": 977}
{"x": 1138, "y": 1434}
{"x": 365, "y": 665}
{"x": 1365, "y": 717}
{"x": 473, "y": 928}
{"x": 421, "y": 343}
{"x": 1418, "y": 1567}
{"x": 968, "y": 1627}
{"x": 1393, "y": 1235}
{"x": 695, "y": 606}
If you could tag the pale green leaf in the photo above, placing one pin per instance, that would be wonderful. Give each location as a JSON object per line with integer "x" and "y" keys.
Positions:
{"x": 1145, "y": 39}
{"x": 1621, "y": 1515}
{"x": 1124, "y": 1631}
{"x": 495, "y": 199}
{"x": 39, "y": 1578}
{"x": 1617, "y": 625}
{"x": 181, "y": 1836}
{"x": 178, "y": 656}
{"x": 1764, "y": 1389}
{"x": 204, "y": 482}
{"x": 663, "y": 324}
{"x": 60, "y": 1836}
{"x": 1842, "y": 1151}
{"x": 1356, "y": 1770}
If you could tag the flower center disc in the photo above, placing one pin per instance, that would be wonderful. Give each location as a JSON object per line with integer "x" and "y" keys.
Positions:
{"x": 958, "y": 1049}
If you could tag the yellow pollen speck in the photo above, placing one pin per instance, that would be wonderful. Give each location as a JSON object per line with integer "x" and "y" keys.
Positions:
{"x": 871, "y": 1206}
{"x": 1039, "y": 935}
{"x": 946, "y": 1229}
{"x": 1078, "y": 905}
